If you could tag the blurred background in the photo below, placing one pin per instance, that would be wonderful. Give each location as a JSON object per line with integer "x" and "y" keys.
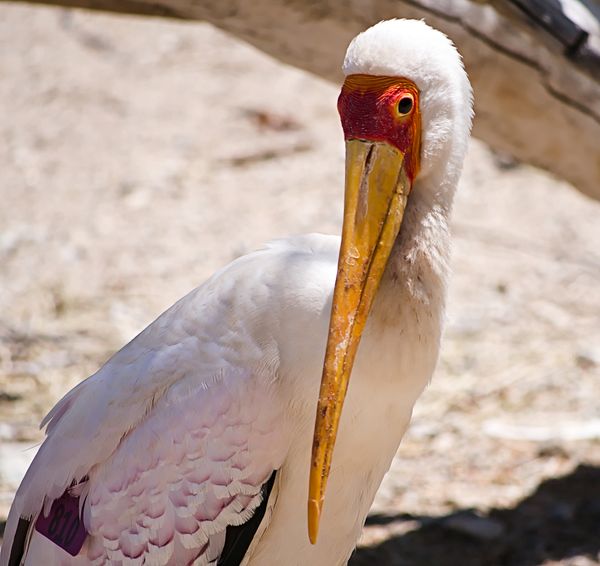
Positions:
{"x": 137, "y": 156}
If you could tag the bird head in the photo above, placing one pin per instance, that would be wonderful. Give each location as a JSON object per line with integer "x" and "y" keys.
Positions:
{"x": 406, "y": 109}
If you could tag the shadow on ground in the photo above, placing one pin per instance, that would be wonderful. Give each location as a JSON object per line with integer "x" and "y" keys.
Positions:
{"x": 560, "y": 520}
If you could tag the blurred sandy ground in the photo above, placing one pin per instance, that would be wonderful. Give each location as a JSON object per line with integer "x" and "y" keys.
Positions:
{"x": 138, "y": 156}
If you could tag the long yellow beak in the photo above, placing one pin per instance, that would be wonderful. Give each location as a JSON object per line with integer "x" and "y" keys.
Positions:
{"x": 377, "y": 189}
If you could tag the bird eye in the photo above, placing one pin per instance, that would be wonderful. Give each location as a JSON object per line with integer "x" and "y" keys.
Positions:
{"x": 405, "y": 105}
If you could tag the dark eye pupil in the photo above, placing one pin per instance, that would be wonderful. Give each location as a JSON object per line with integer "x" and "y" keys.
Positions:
{"x": 405, "y": 105}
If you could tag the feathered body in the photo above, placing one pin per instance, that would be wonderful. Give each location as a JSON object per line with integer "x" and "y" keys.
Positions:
{"x": 172, "y": 439}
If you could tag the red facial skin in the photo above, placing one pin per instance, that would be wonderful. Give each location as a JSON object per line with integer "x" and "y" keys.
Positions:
{"x": 368, "y": 107}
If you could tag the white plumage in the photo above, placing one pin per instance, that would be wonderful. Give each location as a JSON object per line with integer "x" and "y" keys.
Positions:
{"x": 173, "y": 438}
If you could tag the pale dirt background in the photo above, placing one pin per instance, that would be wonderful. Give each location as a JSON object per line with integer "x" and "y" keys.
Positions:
{"x": 138, "y": 156}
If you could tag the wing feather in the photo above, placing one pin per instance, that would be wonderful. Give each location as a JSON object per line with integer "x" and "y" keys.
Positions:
{"x": 172, "y": 439}
{"x": 195, "y": 466}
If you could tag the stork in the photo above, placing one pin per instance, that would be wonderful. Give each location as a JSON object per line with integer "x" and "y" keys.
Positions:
{"x": 197, "y": 442}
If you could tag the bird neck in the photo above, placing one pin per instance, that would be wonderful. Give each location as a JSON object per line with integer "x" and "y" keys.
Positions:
{"x": 419, "y": 262}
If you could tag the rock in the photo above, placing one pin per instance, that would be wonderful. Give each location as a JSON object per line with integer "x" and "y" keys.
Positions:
{"x": 561, "y": 512}
{"x": 553, "y": 431}
{"x": 473, "y": 525}
{"x": 587, "y": 358}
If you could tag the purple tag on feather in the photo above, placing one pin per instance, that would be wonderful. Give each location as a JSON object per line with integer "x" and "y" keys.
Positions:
{"x": 63, "y": 526}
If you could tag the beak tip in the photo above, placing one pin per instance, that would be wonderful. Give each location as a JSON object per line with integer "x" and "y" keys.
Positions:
{"x": 314, "y": 517}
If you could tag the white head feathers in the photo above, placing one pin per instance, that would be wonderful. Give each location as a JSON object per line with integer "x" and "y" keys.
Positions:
{"x": 413, "y": 50}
